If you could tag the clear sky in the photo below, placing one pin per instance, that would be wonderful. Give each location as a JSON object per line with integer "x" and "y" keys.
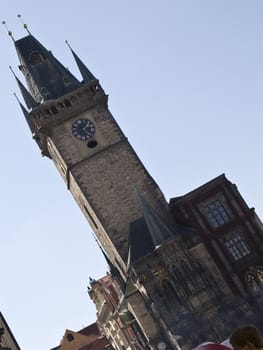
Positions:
{"x": 185, "y": 83}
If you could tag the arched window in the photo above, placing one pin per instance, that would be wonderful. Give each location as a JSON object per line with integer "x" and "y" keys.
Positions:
{"x": 172, "y": 299}
{"x": 203, "y": 277}
{"x": 188, "y": 276}
{"x": 180, "y": 285}
{"x": 185, "y": 268}
{"x": 168, "y": 287}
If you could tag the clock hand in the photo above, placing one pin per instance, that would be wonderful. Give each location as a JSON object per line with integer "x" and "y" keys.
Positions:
{"x": 85, "y": 129}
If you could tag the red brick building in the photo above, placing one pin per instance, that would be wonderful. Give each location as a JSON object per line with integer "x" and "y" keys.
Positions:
{"x": 230, "y": 230}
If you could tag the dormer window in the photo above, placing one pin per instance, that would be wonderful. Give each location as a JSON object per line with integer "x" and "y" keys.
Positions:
{"x": 37, "y": 58}
{"x": 216, "y": 214}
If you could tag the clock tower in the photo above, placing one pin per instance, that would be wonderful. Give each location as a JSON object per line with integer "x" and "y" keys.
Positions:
{"x": 166, "y": 281}
{"x": 72, "y": 125}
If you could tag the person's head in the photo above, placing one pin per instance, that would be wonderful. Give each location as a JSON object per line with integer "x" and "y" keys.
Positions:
{"x": 246, "y": 338}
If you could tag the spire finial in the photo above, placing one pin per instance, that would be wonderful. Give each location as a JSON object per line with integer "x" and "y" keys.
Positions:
{"x": 28, "y": 98}
{"x": 24, "y": 24}
{"x": 17, "y": 98}
{"x": 12, "y": 71}
{"x": 8, "y": 31}
{"x": 84, "y": 71}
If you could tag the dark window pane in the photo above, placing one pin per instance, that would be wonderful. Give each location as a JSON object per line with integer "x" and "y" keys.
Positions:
{"x": 216, "y": 214}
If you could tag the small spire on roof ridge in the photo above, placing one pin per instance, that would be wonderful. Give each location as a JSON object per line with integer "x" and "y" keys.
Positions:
{"x": 8, "y": 31}
{"x": 84, "y": 71}
{"x": 24, "y": 24}
{"x": 17, "y": 98}
{"x": 68, "y": 44}
{"x": 10, "y": 67}
{"x": 28, "y": 98}
{"x": 27, "y": 116}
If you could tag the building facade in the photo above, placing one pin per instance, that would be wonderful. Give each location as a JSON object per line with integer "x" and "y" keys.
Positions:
{"x": 168, "y": 285}
{"x": 231, "y": 231}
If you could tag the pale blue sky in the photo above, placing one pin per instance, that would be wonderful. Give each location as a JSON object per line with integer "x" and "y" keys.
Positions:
{"x": 185, "y": 83}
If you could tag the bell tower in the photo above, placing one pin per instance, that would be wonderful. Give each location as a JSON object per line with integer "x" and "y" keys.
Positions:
{"x": 72, "y": 125}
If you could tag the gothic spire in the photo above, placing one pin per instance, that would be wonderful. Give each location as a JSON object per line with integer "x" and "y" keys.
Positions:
{"x": 147, "y": 233}
{"x": 158, "y": 229}
{"x": 29, "y": 100}
{"x": 46, "y": 77}
{"x": 27, "y": 116}
{"x": 84, "y": 71}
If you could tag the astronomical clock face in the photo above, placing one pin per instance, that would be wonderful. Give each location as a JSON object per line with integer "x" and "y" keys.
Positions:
{"x": 83, "y": 129}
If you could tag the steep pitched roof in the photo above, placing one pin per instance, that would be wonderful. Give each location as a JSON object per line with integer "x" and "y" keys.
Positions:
{"x": 151, "y": 231}
{"x": 46, "y": 77}
{"x": 158, "y": 229}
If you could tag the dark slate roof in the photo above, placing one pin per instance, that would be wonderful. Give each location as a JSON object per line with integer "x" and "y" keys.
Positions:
{"x": 141, "y": 243}
{"x": 29, "y": 100}
{"x": 159, "y": 230}
{"x": 28, "y": 118}
{"x": 46, "y": 77}
{"x": 151, "y": 231}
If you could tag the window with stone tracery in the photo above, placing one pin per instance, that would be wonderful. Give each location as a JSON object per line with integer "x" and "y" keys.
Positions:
{"x": 188, "y": 276}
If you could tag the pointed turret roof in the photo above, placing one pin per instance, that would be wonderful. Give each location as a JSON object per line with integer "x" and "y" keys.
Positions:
{"x": 46, "y": 77}
{"x": 140, "y": 241}
{"x": 159, "y": 230}
{"x": 84, "y": 71}
{"x": 147, "y": 233}
{"x": 27, "y": 117}
{"x": 29, "y": 100}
